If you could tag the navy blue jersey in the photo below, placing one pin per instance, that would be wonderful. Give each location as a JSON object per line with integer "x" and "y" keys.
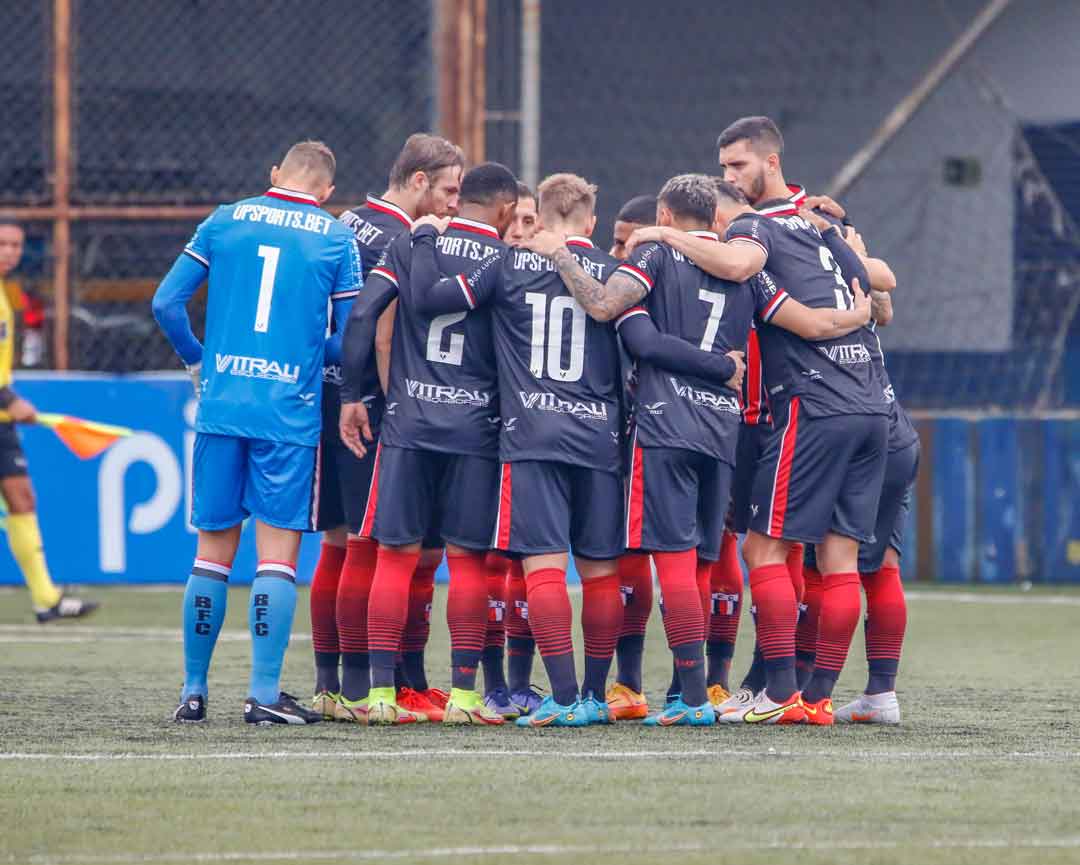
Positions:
{"x": 832, "y": 377}
{"x": 443, "y": 382}
{"x": 375, "y": 224}
{"x": 275, "y": 261}
{"x": 685, "y": 411}
{"x": 559, "y": 375}
{"x": 902, "y": 432}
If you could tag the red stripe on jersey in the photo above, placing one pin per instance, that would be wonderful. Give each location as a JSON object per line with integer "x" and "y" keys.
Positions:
{"x": 502, "y": 521}
{"x": 635, "y": 506}
{"x": 294, "y": 197}
{"x": 385, "y": 274}
{"x": 469, "y": 296}
{"x": 782, "y": 479}
{"x": 580, "y": 241}
{"x": 475, "y": 227}
{"x": 384, "y": 208}
{"x": 798, "y": 194}
{"x": 752, "y": 381}
{"x": 774, "y": 305}
{"x": 632, "y": 311}
{"x": 644, "y": 276}
{"x": 372, "y": 498}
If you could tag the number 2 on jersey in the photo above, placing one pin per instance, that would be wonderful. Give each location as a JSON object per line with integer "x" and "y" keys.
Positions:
{"x": 269, "y": 255}
{"x": 547, "y": 337}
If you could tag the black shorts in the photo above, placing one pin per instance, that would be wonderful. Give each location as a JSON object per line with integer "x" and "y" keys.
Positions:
{"x": 345, "y": 485}
{"x": 12, "y": 459}
{"x": 422, "y": 495}
{"x": 550, "y": 507}
{"x": 676, "y": 500}
{"x": 818, "y": 475}
{"x": 752, "y": 438}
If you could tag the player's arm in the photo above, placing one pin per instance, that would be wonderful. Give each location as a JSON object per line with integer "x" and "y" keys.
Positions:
{"x": 851, "y": 265}
{"x": 384, "y": 340}
{"x": 736, "y": 260}
{"x": 817, "y": 209}
{"x": 881, "y": 276}
{"x": 348, "y": 283}
{"x": 815, "y": 324}
{"x": 646, "y": 343}
{"x": 434, "y": 294}
{"x": 881, "y": 307}
{"x": 170, "y": 306}
{"x": 602, "y": 301}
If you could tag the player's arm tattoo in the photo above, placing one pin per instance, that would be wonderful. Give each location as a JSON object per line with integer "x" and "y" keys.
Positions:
{"x": 881, "y": 307}
{"x": 602, "y": 301}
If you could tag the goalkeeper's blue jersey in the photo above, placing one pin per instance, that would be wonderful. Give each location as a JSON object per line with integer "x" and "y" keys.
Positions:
{"x": 275, "y": 262}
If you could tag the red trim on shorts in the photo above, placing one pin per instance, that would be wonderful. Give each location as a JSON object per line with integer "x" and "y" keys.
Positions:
{"x": 502, "y": 521}
{"x": 752, "y": 408}
{"x": 635, "y": 507}
{"x": 372, "y": 497}
{"x": 782, "y": 480}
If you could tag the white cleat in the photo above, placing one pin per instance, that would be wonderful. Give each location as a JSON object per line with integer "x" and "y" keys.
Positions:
{"x": 762, "y": 710}
{"x": 871, "y": 709}
{"x": 738, "y": 702}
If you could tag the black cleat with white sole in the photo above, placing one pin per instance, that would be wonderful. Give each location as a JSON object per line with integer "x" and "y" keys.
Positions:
{"x": 285, "y": 711}
{"x": 67, "y": 608}
{"x": 192, "y": 710}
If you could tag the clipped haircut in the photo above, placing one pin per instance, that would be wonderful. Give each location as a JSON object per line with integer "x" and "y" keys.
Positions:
{"x": 525, "y": 192}
{"x": 427, "y": 153}
{"x": 690, "y": 196}
{"x": 311, "y": 158}
{"x": 729, "y": 191}
{"x": 640, "y": 210}
{"x": 565, "y": 196}
{"x": 761, "y": 132}
{"x": 488, "y": 183}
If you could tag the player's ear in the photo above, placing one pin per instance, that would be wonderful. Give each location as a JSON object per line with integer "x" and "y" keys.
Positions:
{"x": 420, "y": 181}
{"x": 274, "y": 172}
{"x": 327, "y": 194}
{"x": 592, "y": 225}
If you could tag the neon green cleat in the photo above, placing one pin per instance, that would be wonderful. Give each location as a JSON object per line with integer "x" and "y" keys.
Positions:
{"x": 383, "y": 710}
{"x": 466, "y": 708}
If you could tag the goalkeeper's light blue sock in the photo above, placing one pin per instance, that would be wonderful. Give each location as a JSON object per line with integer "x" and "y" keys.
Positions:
{"x": 270, "y": 617}
{"x": 205, "y": 599}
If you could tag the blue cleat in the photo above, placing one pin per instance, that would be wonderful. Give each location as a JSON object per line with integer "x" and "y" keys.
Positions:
{"x": 596, "y": 711}
{"x": 678, "y": 714}
{"x": 552, "y": 714}
{"x": 498, "y": 701}
{"x": 527, "y": 701}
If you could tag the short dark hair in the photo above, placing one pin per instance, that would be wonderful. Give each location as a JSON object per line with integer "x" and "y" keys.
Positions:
{"x": 641, "y": 210}
{"x": 489, "y": 182}
{"x": 427, "y": 153}
{"x": 525, "y": 192}
{"x": 761, "y": 132}
{"x": 690, "y": 196}
{"x": 729, "y": 191}
{"x": 6, "y": 221}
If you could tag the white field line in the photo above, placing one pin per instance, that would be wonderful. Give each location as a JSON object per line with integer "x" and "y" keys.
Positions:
{"x": 532, "y": 753}
{"x": 522, "y": 850}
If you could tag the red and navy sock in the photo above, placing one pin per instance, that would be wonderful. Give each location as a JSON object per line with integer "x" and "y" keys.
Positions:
{"x": 324, "y": 632}
{"x": 794, "y": 562}
{"x": 840, "y": 608}
{"x": 683, "y": 621}
{"x": 806, "y": 634}
{"x": 886, "y": 622}
{"x": 601, "y": 618}
{"x": 774, "y": 600}
{"x": 418, "y": 626}
{"x": 354, "y": 591}
{"x": 495, "y": 634}
{"x": 388, "y": 608}
{"x": 466, "y": 616}
{"x": 726, "y": 588}
{"x": 550, "y": 618}
{"x": 520, "y": 645}
{"x": 636, "y": 586}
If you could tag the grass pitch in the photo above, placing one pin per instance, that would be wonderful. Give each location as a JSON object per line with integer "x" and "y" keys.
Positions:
{"x": 985, "y": 769}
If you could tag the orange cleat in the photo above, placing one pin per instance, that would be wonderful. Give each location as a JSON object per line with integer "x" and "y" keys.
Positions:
{"x": 820, "y": 713}
{"x": 437, "y": 696}
{"x": 417, "y": 702}
{"x": 626, "y": 704}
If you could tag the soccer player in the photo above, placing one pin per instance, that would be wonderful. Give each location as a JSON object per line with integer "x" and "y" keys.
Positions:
{"x": 439, "y": 444}
{"x": 425, "y": 178}
{"x": 524, "y": 225}
{"x": 559, "y": 383}
{"x": 23, "y": 531}
{"x": 274, "y": 264}
{"x": 638, "y": 212}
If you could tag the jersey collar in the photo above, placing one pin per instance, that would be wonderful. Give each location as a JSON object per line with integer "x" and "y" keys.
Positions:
{"x": 784, "y": 206}
{"x": 475, "y": 226}
{"x": 292, "y": 195}
{"x": 798, "y": 194}
{"x": 383, "y": 206}
{"x": 578, "y": 240}
{"x": 708, "y": 235}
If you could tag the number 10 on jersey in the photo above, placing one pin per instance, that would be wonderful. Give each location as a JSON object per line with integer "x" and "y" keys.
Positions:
{"x": 548, "y": 334}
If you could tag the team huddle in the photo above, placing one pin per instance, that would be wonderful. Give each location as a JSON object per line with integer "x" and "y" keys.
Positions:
{"x": 454, "y": 369}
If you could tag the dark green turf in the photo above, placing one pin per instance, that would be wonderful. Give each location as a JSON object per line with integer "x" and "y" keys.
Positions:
{"x": 986, "y": 767}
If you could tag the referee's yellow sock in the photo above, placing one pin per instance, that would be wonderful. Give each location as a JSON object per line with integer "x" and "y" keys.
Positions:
{"x": 24, "y": 536}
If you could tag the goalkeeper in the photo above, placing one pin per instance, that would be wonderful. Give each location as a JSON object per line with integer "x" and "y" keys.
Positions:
{"x": 24, "y": 535}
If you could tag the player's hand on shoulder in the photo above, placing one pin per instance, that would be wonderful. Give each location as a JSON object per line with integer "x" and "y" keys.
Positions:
{"x": 354, "y": 426}
{"x": 22, "y": 411}
{"x": 439, "y": 223}
{"x": 862, "y": 302}
{"x": 735, "y": 382}
{"x": 826, "y": 204}
{"x": 647, "y": 234}
{"x": 545, "y": 242}
{"x": 815, "y": 219}
{"x": 855, "y": 241}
